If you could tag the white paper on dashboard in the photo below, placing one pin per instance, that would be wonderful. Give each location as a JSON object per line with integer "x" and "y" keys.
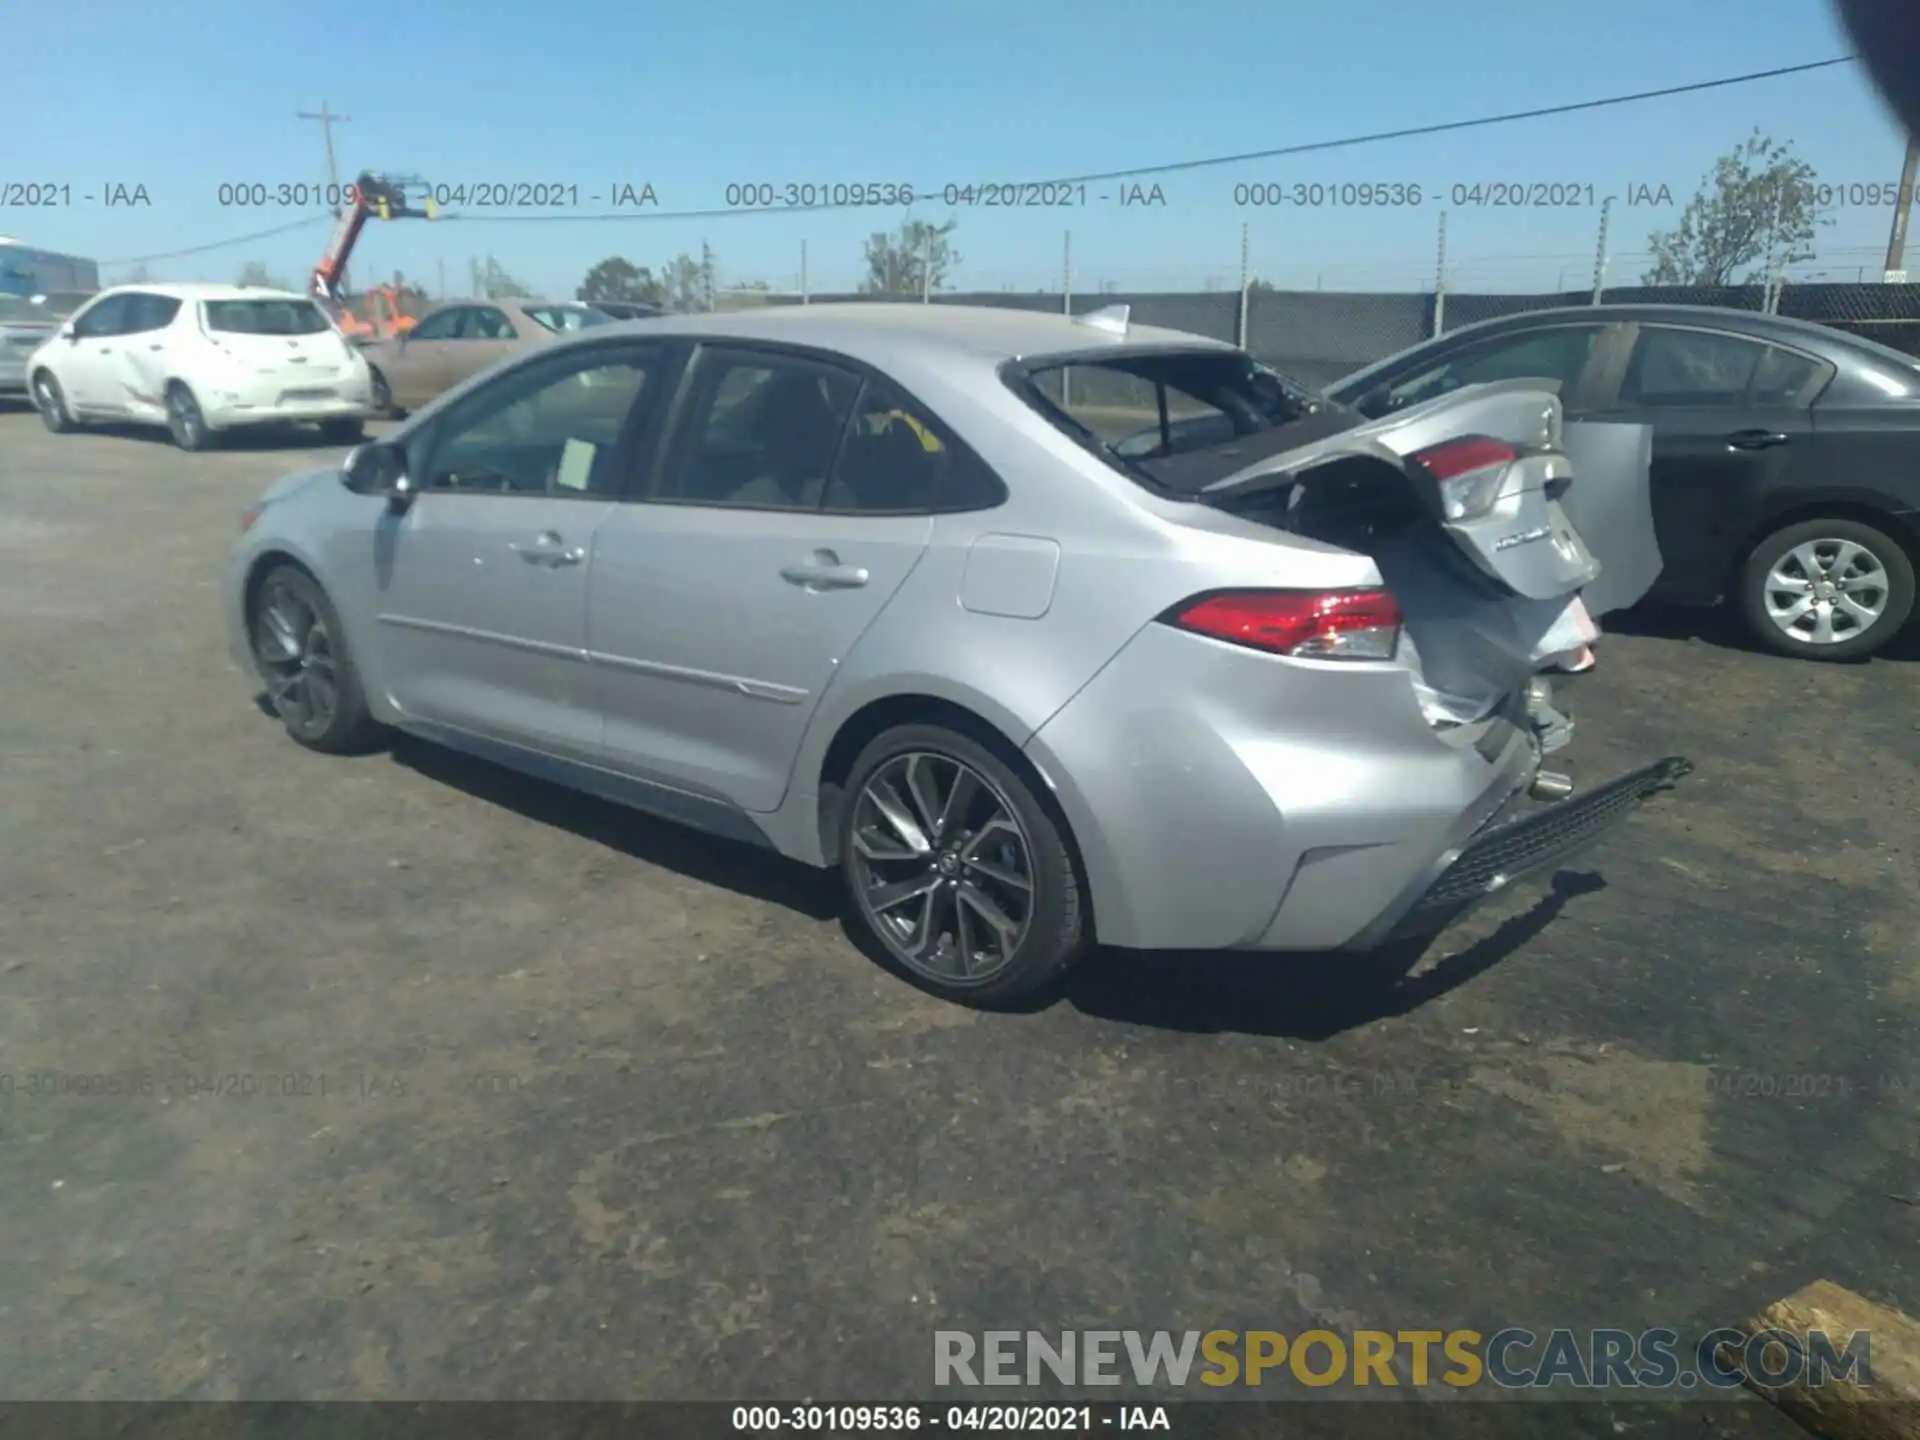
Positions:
{"x": 576, "y": 465}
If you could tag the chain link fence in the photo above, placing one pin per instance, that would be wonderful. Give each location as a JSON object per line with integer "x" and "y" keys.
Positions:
{"x": 1318, "y": 336}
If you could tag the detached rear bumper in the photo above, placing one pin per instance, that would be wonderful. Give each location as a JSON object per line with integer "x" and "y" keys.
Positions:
{"x": 1505, "y": 852}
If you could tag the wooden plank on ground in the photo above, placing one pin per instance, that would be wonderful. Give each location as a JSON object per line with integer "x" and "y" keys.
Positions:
{"x": 1883, "y": 1403}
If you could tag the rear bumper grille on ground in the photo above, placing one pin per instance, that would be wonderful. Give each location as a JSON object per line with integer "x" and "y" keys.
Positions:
{"x": 1538, "y": 842}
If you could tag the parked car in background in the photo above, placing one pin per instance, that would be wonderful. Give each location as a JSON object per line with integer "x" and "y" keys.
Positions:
{"x": 628, "y": 309}
{"x": 869, "y": 586}
{"x": 201, "y": 360}
{"x": 455, "y": 341}
{"x": 26, "y": 322}
{"x": 1786, "y": 455}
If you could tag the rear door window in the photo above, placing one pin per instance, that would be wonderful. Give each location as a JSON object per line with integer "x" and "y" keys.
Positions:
{"x": 760, "y": 430}
{"x": 147, "y": 313}
{"x": 1684, "y": 369}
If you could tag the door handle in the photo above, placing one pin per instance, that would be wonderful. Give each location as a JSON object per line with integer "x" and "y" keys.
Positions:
{"x": 156, "y": 347}
{"x": 549, "y": 550}
{"x": 825, "y": 572}
{"x": 1755, "y": 439}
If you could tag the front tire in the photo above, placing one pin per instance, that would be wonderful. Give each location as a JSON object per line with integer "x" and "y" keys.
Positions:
{"x": 51, "y": 403}
{"x": 185, "y": 421}
{"x": 1827, "y": 590}
{"x": 343, "y": 432}
{"x": 381, "y": 393}
{"x": 300, "y": 653}
{"x": 957, "y": 870}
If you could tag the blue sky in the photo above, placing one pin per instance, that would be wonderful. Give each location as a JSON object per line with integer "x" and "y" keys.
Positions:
{"x": 692, "y": 97}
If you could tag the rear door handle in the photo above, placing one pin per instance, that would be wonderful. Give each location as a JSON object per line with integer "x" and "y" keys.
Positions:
{"x": 1755, "y": 439}
{"x": 825, "y": 572}
{"x": 549, "y": 550}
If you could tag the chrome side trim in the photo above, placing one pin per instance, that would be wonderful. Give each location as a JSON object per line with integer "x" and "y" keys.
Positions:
{"x": 740, "y": 684}
{"x": 484, "y": 637}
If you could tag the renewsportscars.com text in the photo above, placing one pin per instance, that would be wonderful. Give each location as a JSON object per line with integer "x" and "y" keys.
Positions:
{"x": 1509, "y": 1359}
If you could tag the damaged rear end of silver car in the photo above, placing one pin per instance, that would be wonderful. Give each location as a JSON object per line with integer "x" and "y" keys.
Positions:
{"x": 1503, "y": 533}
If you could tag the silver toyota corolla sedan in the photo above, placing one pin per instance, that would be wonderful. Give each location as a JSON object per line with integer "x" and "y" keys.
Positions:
{"x": 1044, "y": 631}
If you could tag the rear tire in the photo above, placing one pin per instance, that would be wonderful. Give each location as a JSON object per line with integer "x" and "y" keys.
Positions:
{"x": 300, "y": 654}
{"x": 185, "y": 421}
{"x": 51, "y": 403}
{"x": 956, "y": 870}
{"x": 1827, "y": 590}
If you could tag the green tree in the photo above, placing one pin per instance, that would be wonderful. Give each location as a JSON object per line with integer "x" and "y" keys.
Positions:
{"x": 1754, "y": 213}
{"x": 617, "y": 278}
{"x": 905, "y": 263}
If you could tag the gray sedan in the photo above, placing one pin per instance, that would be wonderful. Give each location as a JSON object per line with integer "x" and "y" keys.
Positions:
{"x": 27, "y": 323}
{"x": 1041, "y": 630}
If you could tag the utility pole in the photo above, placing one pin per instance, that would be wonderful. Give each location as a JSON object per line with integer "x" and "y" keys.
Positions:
{"x": 803, "y": 273}
{"x": 1600, "y": 251}
{"x": 706, "y": 274}
{"x": 1440, "y": 282}
{"x": 328, "y": 120}
{"x": 1902, "y": 205}
{"x": 1066, "y": 308}
{"x": 1245, "y": 280}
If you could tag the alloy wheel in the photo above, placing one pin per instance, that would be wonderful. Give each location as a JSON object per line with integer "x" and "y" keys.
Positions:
{"x": 296, "y": 660}
{"x": 52, "y": 407}
{"x": 1824, "y": 592}
{"x": 184, "y": 416}
{"x": 942, "y": 867}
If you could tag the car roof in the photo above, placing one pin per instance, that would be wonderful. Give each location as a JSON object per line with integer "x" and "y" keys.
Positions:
{"x": 881, "y": 331}
{"x": 1718, "y": 317}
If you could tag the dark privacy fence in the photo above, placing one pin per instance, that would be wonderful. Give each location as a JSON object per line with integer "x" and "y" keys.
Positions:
{"x": 1319, "y": 336}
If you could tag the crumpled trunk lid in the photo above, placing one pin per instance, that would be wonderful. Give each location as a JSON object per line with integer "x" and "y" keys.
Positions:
{"x": 1491, "y": 593}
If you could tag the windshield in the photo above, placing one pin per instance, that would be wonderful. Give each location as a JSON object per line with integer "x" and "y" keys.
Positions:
{"x": 266, "y": 317}
{"x": 1178, "y": 419}
{"x": 561, "y": 318}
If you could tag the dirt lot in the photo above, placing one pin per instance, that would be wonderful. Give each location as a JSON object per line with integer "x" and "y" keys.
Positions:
{"x": 585, "y": 1106}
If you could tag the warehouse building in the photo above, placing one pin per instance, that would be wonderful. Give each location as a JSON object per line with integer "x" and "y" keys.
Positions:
{"x": 25, "y": 271}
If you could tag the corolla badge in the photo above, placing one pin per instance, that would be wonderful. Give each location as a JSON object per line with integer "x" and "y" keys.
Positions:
{"x": 1523, "y": 537}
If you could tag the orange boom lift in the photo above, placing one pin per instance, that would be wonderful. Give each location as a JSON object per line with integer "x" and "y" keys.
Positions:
{"x": 374, "y": 195}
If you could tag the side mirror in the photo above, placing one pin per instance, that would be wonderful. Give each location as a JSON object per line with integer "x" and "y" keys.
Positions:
{"x": 67, "y": 332}
{"x": 379, "y": 467}
{"x": 1375, "y": 403}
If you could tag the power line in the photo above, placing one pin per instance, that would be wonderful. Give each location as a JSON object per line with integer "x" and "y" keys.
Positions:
{"x": 220, "y": 244}
{"x": 1215, "y": 161}
{"x": 1210, "y": 162}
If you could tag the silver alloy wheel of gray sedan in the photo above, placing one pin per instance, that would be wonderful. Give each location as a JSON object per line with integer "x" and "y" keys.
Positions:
{"x": 296, "y": 660}
{"x": 1827, "y": 591}
{"x": 942, "y": 867}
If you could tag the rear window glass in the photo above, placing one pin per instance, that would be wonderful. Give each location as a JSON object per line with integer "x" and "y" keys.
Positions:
{"x": 561, "y": 318}
{"x": 1179, "y": 420}
{"x": 266, "y": 317}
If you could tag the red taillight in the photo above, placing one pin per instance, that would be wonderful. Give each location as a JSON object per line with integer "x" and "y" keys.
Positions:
{"x": 1452, "y": 458}
{"x": 1308, "y": 624}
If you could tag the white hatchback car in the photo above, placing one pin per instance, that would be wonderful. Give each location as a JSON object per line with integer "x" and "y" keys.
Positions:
{"x": 201, "y": 359}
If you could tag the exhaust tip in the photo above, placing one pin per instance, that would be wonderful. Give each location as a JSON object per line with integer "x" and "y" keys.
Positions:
{"x": 1551, "y": 785}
